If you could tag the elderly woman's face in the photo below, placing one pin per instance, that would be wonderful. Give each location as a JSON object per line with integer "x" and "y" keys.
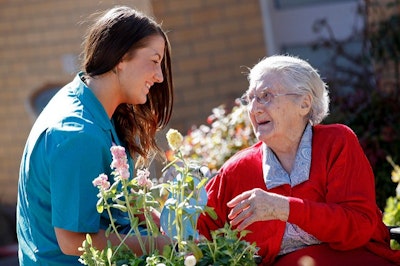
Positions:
{"x": 278, "y": 117}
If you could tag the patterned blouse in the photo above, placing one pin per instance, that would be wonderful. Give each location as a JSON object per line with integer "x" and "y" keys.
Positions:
{"x": 294, "y": 237}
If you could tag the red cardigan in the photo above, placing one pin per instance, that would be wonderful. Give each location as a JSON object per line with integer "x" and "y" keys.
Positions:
{"x": 336, "y": 205}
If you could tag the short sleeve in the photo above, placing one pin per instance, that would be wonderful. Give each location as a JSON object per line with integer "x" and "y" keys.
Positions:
{"x": 75, "y": 159}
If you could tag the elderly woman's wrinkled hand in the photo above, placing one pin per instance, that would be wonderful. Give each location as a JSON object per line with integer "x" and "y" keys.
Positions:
{"x": 257, "y": 205}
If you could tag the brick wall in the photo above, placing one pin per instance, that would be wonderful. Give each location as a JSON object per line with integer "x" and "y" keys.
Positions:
{"x": 40, "y": 41}
{"x": 211, "y": 43}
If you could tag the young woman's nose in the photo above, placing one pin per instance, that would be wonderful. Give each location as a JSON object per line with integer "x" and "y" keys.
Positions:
{"x": 158, "y": 75}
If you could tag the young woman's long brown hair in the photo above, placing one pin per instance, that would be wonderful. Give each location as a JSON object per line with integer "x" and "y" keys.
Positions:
{"x": 121, "y": 31}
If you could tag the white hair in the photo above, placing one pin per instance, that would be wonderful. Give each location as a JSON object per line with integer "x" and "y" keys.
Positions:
{"x": 298, "y": 76}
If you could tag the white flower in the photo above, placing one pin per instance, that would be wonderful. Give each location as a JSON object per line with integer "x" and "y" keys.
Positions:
{"x": 190, "y": 260}
{"x": 175, "y": 139}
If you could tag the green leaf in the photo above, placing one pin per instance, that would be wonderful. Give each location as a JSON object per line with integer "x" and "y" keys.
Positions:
{"x": 194, "y": 248}
{"x": 100, "y": 206}
{"x": 202, "y": 183}
{"x": 120, "y": 207}
{"x": 88, "y": 239}
{"x": 109, "y": 254}
{"x": 211, "y": 212}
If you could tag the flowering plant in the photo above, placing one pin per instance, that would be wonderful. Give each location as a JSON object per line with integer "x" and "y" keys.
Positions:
{"x": 138, "y": 197}
{"x": 227, "y": 133}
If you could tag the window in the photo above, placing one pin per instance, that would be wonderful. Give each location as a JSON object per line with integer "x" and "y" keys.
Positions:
{"x": 42, "y": 96}
{"x": 298, "y": 27}
{"x": 287, "y": 4}
{"x": 332, "y": 67}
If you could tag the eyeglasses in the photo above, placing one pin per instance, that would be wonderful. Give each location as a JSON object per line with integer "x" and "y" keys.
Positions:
{"x": 264, "y": 97}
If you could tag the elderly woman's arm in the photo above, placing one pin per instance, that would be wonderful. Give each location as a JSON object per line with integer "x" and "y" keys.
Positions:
{"x": 349, "y": 216}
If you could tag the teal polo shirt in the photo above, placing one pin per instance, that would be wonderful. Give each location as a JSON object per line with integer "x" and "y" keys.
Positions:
{"x": 68, "y": 147}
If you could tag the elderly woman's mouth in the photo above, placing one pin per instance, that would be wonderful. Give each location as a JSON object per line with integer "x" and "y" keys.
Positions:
{"x": 260, "y": 123}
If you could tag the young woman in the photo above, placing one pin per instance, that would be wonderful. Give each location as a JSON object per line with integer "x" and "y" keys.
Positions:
{"x": 123, "y": 96}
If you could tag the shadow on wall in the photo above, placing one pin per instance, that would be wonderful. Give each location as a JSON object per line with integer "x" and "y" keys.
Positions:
{"x": 8, "y": 237}
{"x": 7, "y": 225}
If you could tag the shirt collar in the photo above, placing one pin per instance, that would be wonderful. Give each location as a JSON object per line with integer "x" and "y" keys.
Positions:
{"x": 87, "y": 97}
{"x": 275, "y": 175}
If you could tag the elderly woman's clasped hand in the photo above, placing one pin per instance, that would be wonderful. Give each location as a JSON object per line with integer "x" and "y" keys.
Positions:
{"x": 257, "y": 205}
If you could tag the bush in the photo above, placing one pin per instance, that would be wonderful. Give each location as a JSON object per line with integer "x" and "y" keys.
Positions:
{"x": 392, "y": 210}
{"x": 360, "y": 98}
{"x": 227, "y": 132}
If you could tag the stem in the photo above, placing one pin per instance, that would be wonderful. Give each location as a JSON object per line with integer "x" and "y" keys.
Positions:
{"x": 237, "y": 258}
{"x": 139, "y": 238}
{"x": 182, "y": 198}
{"x": 211, "y": 248}
{"x": 112, "y": 222}
{"x": 178, "y": 224}
{"x": 149, "y": 221}
{"x": 132, "y": 216}
{"x": 168, "y": 165}
{"x": 108, "y": 208}
{"x": 122, "y": 242}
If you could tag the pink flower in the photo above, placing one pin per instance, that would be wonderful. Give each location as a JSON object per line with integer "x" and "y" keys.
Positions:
{"x": 120, "y": 161}
{"x": 102, "y": 182}
{"x": 143, "y": 178}
{"x": 124, "y": 173}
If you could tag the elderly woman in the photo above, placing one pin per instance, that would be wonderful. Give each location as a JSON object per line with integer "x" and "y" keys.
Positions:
{"x": 305, "y": 190}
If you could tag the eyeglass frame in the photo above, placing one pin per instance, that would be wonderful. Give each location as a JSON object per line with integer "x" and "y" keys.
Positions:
{"x": 248, "y": 101}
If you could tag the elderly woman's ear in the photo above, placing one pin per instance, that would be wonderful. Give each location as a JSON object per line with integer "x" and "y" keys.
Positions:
{"x": 306, "y": 103}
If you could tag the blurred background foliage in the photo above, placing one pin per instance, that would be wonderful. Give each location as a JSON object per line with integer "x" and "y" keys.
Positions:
{"x": 371, "y": 103}
{"x": 392, "y": 210}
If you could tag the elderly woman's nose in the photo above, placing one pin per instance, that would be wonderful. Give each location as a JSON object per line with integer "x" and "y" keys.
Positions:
{"x": 255, "y": 106}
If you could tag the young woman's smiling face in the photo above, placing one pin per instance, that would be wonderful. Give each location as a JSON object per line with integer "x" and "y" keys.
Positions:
{"x": 137, "y": 74}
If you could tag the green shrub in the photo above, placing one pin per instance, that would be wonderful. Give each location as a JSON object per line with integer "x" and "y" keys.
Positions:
{"x": 392, "y": 210}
